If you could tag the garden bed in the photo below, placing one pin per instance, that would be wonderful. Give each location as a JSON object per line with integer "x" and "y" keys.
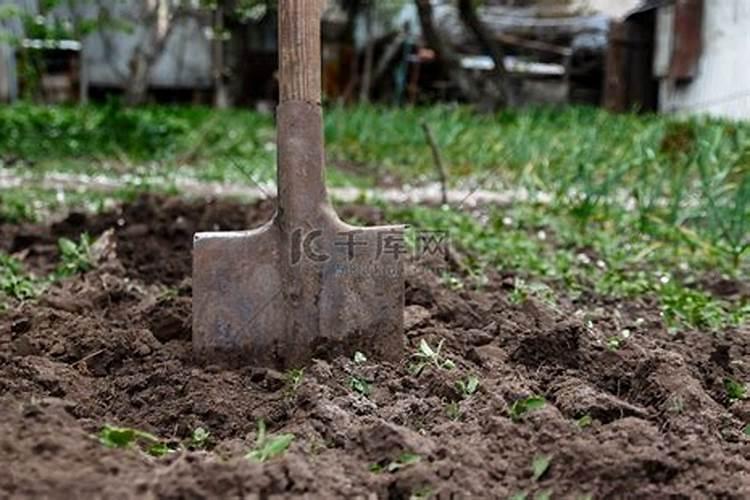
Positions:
{"x": 586, "y": 398}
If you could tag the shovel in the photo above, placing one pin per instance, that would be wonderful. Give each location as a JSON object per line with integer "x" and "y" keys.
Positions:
{"x": 305, "y": 284}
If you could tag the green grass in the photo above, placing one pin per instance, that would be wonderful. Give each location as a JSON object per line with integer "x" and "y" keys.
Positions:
{"x": 544, "y": 246}
{"x": 546, "y": 148}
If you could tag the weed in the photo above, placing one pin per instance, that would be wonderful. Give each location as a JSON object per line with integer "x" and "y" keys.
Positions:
{"x": 736, "y": 391}
{"x": 422, "y": 493}
{"x": 359, "y": 358}
{"x": 523, "y": 291}
{"x": 693, "y": 308}
{"x": 728, "y": 211}
{"x": 293, "y": 379}
{"x": 15, "y": 208}
{"x": 76, "y": 257}
{"x": 453, "y": 411}
{"x": 199, "y": 438}
{"x": 267, "y": 446}
{"x": 426, "y": 356}
{"x": 521, "y": 495}
{"x": 13, "y": 282}
{"x": 676, "y": 404}
{"x": 614, "y": 343}
{"x": 160, "y": 449}
{"x": 124, "y": 437}
{"x": 543, "y": 495}
{"x": 746, "y": 431}
{"x": 169, "y": 293}
{"x": 468, "y": 387}
{"x": 540, "y": 466}
{"x": 404, "y": 460}
{"x": 584, "y": 421}
{"x": 360, "y": 385}
{"x": 451, "y": 281}
{"x": 522, "y": 407}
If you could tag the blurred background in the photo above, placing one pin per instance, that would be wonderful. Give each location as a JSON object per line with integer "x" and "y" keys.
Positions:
{"x": 619, "y": 54}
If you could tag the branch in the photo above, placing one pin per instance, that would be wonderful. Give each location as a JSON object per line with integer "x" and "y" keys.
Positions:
{"x": 489, "y": 44}
{"x": 450, "y": 61}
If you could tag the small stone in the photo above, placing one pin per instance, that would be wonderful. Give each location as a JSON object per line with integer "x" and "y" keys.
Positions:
{"x": 415, "y": 316}
{"x": 478, "y": 337}
{"x": 21, "y": 326}
{"x": 487, "y": 355}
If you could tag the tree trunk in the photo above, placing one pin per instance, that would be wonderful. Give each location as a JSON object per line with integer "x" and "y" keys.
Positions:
{"x": 136, "y": 89}
{"x": 447, "y": 57}
{"x": 364, "y": 89}
{"x": 490, "y": 45}
{"x": 221, "y": 97}
{"x": 159, "y": 23}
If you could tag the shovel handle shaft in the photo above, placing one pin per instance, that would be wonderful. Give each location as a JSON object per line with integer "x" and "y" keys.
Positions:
{"x": 301, "y": 168}
{"x": 299, "y": 50}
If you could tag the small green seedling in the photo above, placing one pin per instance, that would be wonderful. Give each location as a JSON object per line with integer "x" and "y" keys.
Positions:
{"x": 160, "y": 450}
{"x": 267, "y": 446}
{"x": 404, "y": 460}
{"x": 540, "y": 466}
{"x": 426, "y": 356}
{"x": 453, "y": 410}
{"x": 746, "y": 431}
{"x": 468, "y": 387}
{"x": 360, "y": 385}
{"x": 199, "y": 438}
{"x": 124, "y": 437}
{"x": 614, "y": 343}
{"x": 521, "y": 495}
{"x": 13, "y": 282}
{"x": 451, "y": 281}
{"x": 523, "y": 291}
{"x": 524, "y": 406}
{"x": 294, "y": 378}
{"x": 76, "y": 257}
{"x": 736, "y": 391}
{"x": 584, "y": 421}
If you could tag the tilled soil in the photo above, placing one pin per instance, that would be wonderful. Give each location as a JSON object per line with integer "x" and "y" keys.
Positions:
{"x": 113, "y": 346}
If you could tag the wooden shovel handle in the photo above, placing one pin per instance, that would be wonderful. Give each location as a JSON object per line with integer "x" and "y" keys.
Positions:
{"x": 299, "y": 50}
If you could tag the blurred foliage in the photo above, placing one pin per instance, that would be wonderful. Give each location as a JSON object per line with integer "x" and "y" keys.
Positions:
{"x": 35, "y": 132}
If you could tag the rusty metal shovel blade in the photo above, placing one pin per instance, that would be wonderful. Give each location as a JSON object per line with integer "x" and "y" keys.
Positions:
{"x": 306, "y": 284}
{"x": 253, "y": 304}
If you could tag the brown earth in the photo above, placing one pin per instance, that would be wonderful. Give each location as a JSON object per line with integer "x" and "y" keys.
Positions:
{"x": 113, "y": 346}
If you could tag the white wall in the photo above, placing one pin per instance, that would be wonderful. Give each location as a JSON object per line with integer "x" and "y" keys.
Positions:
{"x": 185, "y": 63}
{"x": 612, "y": 8}
{"x": 722, "y": 87}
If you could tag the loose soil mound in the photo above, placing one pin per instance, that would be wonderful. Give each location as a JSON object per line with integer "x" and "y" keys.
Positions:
{"x": 113, "y": 346}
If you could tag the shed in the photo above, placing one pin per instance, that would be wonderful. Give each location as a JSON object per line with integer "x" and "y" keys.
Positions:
{"x": 693, "y": 53}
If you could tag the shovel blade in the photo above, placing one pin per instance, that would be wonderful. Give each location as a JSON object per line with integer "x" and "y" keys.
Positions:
{"x": 278, "y": 298}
